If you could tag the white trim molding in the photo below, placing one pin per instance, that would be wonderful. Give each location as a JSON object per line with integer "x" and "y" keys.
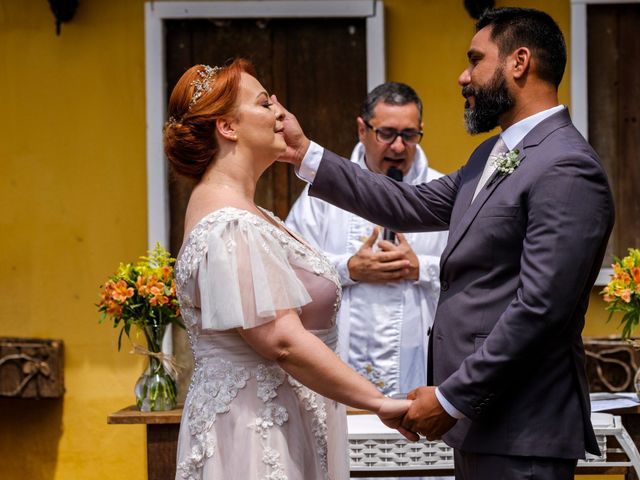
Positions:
{"x": 156, "y": 12}
{"x": 579, "y": 85}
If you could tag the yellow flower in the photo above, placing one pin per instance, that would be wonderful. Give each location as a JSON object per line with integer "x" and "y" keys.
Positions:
{"x": 628, "y": 262}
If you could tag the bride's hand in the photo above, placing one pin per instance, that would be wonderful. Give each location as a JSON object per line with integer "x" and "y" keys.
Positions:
{"x": 391, "y": 413}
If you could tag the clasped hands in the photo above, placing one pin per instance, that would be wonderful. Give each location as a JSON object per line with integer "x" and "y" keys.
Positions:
{"x": 423, "y": 416}
{"x": 390, "y": 263}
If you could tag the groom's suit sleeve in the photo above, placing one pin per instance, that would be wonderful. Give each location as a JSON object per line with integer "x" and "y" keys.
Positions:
{"x": 383, "y": 201}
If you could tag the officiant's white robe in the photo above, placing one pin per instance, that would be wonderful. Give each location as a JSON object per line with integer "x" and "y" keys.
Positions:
{"x": 383, "y": 328}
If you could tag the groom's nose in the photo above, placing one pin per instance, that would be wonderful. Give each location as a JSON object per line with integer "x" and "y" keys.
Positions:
{"x": 464, "y": 78}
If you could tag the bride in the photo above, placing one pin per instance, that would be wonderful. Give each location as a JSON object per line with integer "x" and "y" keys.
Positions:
{"x": 265, "y": 400}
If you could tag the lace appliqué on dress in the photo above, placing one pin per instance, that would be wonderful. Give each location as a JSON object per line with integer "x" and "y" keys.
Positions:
{"x": 314, "y": 404}
{"x": 215, "y": 384}
{"x": 272, "y": 459}
{"x": 272, "y": 414}
{"x": 269, "y": 379}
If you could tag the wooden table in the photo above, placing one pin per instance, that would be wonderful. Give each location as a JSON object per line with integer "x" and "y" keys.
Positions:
{"x": 162, "y": 438}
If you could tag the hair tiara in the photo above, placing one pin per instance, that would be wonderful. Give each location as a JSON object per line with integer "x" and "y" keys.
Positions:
{"x": 201, "y": 85}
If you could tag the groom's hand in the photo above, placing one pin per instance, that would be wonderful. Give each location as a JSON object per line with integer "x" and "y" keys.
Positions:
{"x": 297, "y": 142}
{"x": 426, "y": 416}
{"x": 391, "y": 412}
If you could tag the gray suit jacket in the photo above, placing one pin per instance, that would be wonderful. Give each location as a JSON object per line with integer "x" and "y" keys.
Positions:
{"x": 516, "y": 276}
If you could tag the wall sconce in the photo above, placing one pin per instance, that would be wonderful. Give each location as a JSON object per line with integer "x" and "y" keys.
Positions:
{"x": 475, "y": 8}
{"x": 63, "y": 11}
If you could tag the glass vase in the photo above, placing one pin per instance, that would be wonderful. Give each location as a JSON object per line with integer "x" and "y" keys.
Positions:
{"x": 155, "y": 390}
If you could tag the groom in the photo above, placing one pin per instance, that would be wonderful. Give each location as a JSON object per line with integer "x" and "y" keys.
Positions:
{"x": 529, "y": 217}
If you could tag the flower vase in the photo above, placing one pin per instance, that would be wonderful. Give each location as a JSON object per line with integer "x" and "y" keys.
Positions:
{"x": 155, "y": 390}
{"x": 636, "y": 383}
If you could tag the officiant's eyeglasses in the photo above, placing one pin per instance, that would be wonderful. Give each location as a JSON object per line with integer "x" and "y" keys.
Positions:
{"x": 389, "y": 135}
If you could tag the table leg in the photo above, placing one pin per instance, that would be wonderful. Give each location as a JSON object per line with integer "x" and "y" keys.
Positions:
{"x": 162, "y": 443}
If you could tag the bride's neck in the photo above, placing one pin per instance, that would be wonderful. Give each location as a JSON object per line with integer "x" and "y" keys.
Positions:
{"x": 237, "y": 178}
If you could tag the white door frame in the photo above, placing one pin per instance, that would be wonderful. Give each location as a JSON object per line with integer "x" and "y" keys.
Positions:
{"x": 158, "y": 11}
{"x": 579, "y": 87}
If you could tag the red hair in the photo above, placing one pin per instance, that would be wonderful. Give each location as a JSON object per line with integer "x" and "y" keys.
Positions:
{"x": 189, "y": 137}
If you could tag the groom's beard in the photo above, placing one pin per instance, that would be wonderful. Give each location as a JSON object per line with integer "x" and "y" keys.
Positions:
{"x": 490, "y": 102}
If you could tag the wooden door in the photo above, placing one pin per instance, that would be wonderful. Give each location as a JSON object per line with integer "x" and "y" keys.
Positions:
{"x": 316, "y": 67}
{"x": 614, "y": 112}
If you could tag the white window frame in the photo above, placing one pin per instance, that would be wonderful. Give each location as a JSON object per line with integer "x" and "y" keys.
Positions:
{"x": 579, "y": 87}
{"x": 157, "y": 12}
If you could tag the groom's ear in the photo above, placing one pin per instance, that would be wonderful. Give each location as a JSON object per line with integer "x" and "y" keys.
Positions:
{"x": 520, "y": 61}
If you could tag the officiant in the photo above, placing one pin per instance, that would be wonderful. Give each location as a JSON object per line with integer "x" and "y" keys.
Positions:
{"x": 387, "y": 312}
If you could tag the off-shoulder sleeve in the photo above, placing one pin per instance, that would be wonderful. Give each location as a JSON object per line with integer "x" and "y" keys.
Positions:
{"x": 246, "y": 277}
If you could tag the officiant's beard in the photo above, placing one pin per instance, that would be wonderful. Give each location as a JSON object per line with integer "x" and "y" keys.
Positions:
{"x": 490, "y": 101}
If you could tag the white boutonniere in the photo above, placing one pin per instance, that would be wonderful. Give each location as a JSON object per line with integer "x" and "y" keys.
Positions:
{"x": 506, "y": 163}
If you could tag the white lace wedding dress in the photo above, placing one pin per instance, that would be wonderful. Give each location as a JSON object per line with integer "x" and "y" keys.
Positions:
{"x": 244, "y": 417}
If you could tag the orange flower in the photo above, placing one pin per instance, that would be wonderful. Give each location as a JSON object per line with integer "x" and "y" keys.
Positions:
{"x": 635, "y": 271}
{"x": 140, "y": 286}
{"x": 166, "y": 272}
{"x": 114, "y": 309}
{"x": 121, "y": 291}
{"x": 624, "y": 294}
{"x": 147, "y": 288}
{"x": 617, "y": 269}
{"x": 158, "y": 296}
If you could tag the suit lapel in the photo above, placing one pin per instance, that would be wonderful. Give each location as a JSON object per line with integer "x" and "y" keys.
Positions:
{"x": 532, "y": 139}
{"x": 472, "y": 212}
{"x": 474, "y": 170}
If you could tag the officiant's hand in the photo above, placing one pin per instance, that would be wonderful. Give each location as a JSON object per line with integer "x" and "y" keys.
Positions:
{"x": 370, "y": 266}
{"x": 297, "y": 142}
{"x": 426, "y": 416}
{"x": 413, "y": 270}
{"x": 391, "y": 412}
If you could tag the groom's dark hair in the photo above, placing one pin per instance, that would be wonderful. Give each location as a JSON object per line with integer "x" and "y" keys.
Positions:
{"x": 512, "y": 28}
{"x": 391, "y": 93}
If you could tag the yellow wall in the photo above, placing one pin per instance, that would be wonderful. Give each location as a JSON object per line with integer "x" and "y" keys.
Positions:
{"x": 73, "y": 192}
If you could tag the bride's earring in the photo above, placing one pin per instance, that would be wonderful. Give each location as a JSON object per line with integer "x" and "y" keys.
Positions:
{"x": 226, "y": 130}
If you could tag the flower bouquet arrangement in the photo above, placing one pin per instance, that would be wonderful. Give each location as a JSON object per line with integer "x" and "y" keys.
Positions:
{"x": 622, "y": 293}
{"x": 143, "y": 295}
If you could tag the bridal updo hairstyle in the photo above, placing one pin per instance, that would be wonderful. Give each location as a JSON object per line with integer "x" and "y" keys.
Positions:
{"x": 197, "y": 101}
